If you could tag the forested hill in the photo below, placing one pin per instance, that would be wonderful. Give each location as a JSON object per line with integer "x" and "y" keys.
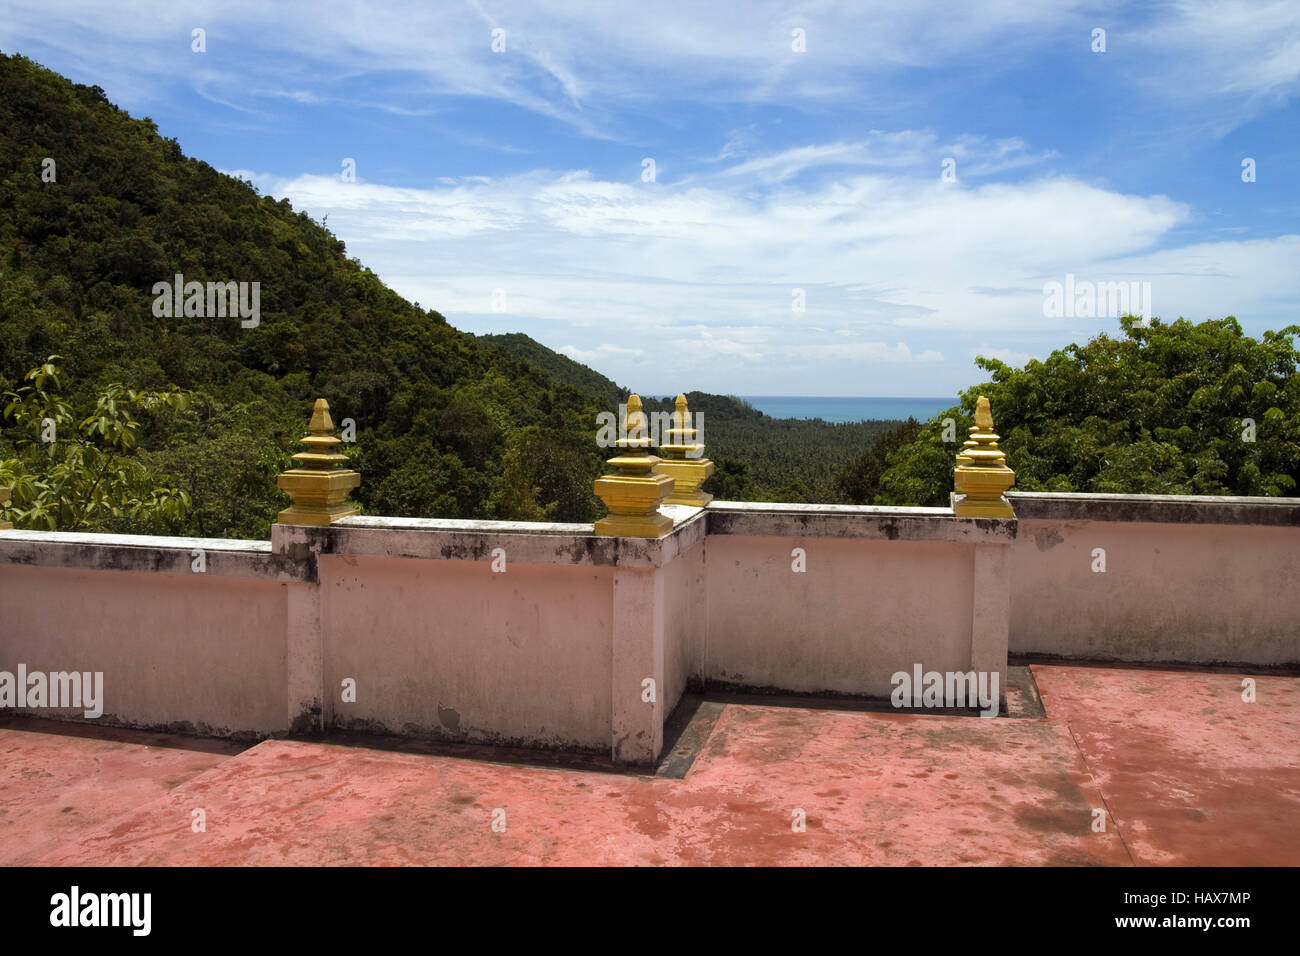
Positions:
{"x": 726, "y": 408}
{"x": 559, "y": 365}
{"x": 96, "y": 207}
{"x": 758, "y": 458}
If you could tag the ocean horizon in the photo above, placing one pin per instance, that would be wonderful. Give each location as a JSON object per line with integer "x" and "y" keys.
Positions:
{"x": 850, "y": 409}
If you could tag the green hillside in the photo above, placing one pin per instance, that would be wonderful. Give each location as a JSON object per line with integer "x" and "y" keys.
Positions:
{"x": 561, "y": 367}
{"x": 759, "y": 458}
{"x": 97, "y": 208}
{"x": 444, "y": 425}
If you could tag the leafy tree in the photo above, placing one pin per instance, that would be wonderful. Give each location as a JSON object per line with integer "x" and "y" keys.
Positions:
{"x": 1169, "y": 408}
{"x": 859, "y": 482}
{"x": 730, "y": 481}
{"x": 431, "y": 484}
{"x": 227, "y": 459}
{"x": 81, "y": 472}
{"x": 515, "y": 497}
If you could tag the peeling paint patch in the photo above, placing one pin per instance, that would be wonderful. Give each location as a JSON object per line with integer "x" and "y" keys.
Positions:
{"x": 450, "y": 718}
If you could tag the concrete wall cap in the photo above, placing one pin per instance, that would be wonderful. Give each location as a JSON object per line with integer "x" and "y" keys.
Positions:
{"x": 780, "y": 508}
{"x": 472, "y": 540}
{"x": 856, "y": 521}
{"x": 162, "y": 542}
{"x": 1173, "y": 509}
{"x": 221, "y": 557}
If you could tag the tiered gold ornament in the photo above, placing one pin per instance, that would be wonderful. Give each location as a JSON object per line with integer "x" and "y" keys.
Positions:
{"x": 682, "y": 459}
{"x": 632, "y": 493}
{"x": 982, "y": 475}
{"x": 320, "y": 485}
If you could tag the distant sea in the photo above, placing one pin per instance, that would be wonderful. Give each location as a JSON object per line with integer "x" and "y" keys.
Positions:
{"x": 849, "y": 409}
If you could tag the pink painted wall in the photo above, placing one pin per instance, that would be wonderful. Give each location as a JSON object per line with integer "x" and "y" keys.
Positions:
{"x": 1199, "y": 593}
{"x": 553, "y": 652}
{"x": 449, "y": 648}
{"x": 686, "y": 617}
{"x": 863, "y": 610}
{"x": 190, "y": 652}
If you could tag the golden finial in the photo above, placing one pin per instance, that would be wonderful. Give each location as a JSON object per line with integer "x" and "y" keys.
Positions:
{"x": 4, "y": 496}
{"x": 320, "y": 485}
{"x": 982, "y": 475}
{"x": 321, "y": 441}
{"x": 632, "y": 493}
{"x": 636, "y": 426}
{"x": 682, "y": 459}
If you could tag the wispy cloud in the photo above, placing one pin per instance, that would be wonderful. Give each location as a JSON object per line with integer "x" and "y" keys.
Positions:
{"x": 708, "y": 276}
{"x": 584, "y": 62}
{"x": 918, "y": 153}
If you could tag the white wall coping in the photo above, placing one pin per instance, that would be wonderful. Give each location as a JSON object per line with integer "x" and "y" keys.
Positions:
{"x": 1162, "y": 509}
{"x": 475, "y": 540}
{"x": 463, "y": 524}
{"x": 162, "y": 541}
{"x": 222, "y": 557}
{"x": 781, "y": 508}
{"x": 766, "y": 519}
{"x": 290, "y": 555}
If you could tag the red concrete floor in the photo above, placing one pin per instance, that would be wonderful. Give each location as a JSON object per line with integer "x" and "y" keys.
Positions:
{"x": 1186, "y": 774}
{"x": 1193, "y": 774}
{"x": 54, "y": 787}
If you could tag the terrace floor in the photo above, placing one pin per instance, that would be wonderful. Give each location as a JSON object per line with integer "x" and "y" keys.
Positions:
{"x": 1183, "y": 771}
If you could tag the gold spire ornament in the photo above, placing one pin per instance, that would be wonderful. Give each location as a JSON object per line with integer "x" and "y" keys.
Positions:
{"x": 682, "y": 459}
{"x": 4, "y": 496}
{"x": 632, "y": 493}
{"x": 982, "y": 475}
{"x": 319, "y": 486}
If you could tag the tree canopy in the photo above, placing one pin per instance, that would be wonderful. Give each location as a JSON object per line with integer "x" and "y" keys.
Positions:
{"x": 1165, "y": 408}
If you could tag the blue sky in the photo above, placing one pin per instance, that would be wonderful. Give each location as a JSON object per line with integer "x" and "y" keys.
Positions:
{"x": 508, "y": 189}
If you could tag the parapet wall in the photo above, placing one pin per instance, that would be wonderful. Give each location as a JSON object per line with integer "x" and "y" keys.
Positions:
{"x": 1154, "y": 578}
{"x": 190, "y": 651}
{"x": 819, "y": 599}
{"x": 548, "y": 635}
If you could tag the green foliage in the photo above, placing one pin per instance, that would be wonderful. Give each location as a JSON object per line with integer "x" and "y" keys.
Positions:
{"x": 80, "y": 472}
{"x": 515, "y": 497}
{"x": 435, "y": 410}
{"x": 759, "y": 458}
{"x": 859, "y": 482}
{"x": 730, "y": 481}
{"x": 565, "y": 369}
{"x": 1160, "y": 410}
{"x": 228, "y": 457}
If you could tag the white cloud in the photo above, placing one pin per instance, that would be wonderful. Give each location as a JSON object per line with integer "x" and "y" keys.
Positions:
{"x": 914, "y": 152}
{"x": 864, "y": 351}
{"x": 1231, "y": 59}
{"x": 698, "y": 279}
{"x": 600, "y": 354}
{"x": 583, "y": 62}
